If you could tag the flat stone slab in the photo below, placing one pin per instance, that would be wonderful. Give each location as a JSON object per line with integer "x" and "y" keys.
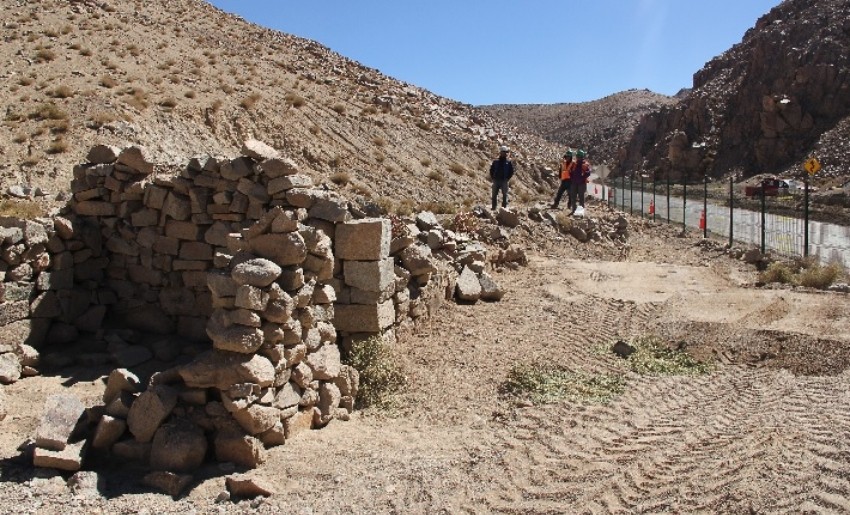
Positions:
{"x": 61, "y": 414}
{"x": 70, "y": 458}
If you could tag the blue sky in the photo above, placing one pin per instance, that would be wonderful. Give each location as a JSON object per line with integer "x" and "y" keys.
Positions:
{"x": 530, "y": 52}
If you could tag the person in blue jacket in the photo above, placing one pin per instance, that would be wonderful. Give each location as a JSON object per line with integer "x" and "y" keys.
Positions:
{"x": 501, "y": 172}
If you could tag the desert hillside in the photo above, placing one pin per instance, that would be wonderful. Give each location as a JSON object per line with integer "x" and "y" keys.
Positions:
{"x": 182, "y": 76}
{"x": 601, "y": 126}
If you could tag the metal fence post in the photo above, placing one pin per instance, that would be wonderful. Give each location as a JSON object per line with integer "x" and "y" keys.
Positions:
{"x": 705, "y": 206}
{"x": 668, "y": 197}
{"x": 763, "y": 219}
{"x": 806, "y": 217}
{"x": 641, "y": 195}
{"x": 731, "y": 209}
{"x": 653, "y": 196}
{"x": 684, "y": 203}
{"x": 632, "y": 194}
{"x": 623, "y": 194}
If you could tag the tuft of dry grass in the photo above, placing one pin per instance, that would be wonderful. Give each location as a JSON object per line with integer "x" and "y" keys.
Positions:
{"x": 457, "y": 168}
{"x": 23, "y": 209}
{"x": 434, "y": 175}
{"x": 339, "y": 108}
{"x": 62, "y": 91}
{"x": 250, "y": 101}
{"x": 295, "y": 100}
{"x": 341, "y": 178}
{"x": 45, "y": 55}
{"x": 57, "y": 146}
{"x": 48, "y": 111}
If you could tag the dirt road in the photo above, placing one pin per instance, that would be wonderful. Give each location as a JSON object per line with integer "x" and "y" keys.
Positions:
{"x": 767, "y": 430}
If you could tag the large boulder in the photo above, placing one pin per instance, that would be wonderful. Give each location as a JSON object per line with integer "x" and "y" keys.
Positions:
{"x": 256, "y": 272}
{"x": 468, "y": 287}
{"x": 178, "y": 446}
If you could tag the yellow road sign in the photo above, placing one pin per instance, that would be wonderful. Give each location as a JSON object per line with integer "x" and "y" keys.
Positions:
{"x": 812, "y": 165}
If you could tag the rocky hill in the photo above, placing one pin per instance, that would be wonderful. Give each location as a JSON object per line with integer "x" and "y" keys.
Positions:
{"x": 780, "y": 95}
{"x": 180, "y": 75}
{"x": 601, "y": 126}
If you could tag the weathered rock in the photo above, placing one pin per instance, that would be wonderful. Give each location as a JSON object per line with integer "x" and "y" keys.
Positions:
{"x": 468, "y": 287}
{"x": 248, "y": 486}
{"x": 363, "y": 240}
{"x": 168, "y": 483}
{"x": 622, "y": 349}
{"x": 426, "y": 220}
{"x": 325, "y": 362}
{"x": 348, "y": 381}
{"x": 2, "y": 405}
{"x": 288, "y": 396}
{"x": 70, "y": 458}
{"x": 86, "y": 483}
{"x": 301, "y": 421}
{"x": 507, "y": 217}
{"x": 10, "y": 368}
{"x": 237, "y": 447}
{"x": 219, "y": 369}
{"x": 258, "y": 150}
{"x": 373, "y": 276}
{"x": 256, "y": 272}
{"x": 418, "y": 260}
{"x": 109, "y": 430}
{"x": 149, "y": 410}
{"x": 282, "y": 248}
{"x": 359, "y": 318}
{"x": 490, "y": 291}
{"x": 132, "y": 450}
{"x": 62, "y": 413}
{"x": 136, "y": 158}
{"x": 178, "y": 446}
{"x": 103, "y": 154}
{"x": 256, "y": 419}
{"x": 236, "y": 338}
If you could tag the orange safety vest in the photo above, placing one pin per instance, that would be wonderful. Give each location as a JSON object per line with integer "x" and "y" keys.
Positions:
{"x": 566, "y": 169}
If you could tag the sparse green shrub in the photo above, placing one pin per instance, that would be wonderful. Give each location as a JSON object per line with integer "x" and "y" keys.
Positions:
{"x": 652, "y": 357}
{"x": 545, "y": 383}
{"x": 382, "y": 376}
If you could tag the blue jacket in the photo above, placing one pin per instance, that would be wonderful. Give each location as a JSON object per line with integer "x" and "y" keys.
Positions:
{"x": 501, "y": 170}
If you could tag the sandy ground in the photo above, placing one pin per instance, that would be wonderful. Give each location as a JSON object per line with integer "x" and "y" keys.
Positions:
{"x": 765, "y": 432}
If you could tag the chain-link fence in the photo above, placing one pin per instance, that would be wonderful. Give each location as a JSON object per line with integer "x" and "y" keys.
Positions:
{"x": 772, "y": 216}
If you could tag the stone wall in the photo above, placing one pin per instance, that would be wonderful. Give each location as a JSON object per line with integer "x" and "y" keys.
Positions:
{"x": 243, "y": 255}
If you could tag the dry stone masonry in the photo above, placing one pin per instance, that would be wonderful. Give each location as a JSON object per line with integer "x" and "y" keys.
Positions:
{"x": 266, "y": 280}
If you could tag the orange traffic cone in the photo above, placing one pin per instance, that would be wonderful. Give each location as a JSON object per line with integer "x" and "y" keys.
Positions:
{"x": 702, "y": 220}
{"x": 652, "y": 207}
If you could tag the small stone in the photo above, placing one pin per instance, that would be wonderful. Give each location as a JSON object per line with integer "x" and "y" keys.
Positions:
{"x": 248, "y": 486}
{"x": 62, "y": 413}
{"x": 168, "y": 483}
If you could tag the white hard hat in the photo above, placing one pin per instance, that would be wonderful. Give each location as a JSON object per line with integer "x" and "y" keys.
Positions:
{"x": 504, "y": 148}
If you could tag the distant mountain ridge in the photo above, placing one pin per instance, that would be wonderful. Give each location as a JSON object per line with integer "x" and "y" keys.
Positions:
{"x": 765, "y": 105}
{"x": 601, "y": 127}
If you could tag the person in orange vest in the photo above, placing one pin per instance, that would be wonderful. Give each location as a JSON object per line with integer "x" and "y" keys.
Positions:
{"x": 566, "y": 163}
{"x": 579, "y": 175}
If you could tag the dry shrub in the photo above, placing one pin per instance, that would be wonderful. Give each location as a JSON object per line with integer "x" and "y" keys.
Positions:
{"x": 58, "y": 146}
{"x": 438, "y": 207}
{"x": 62, "y": 91}
{"x": 45, "y": 55}
{"x": 339, "y": 108}
{"x": 20, "y": 138}
{"x": 138, "y": 99}
{"x": 190, "y": 94}
{"x": 101, "y": 118}
{"x": 434, "y": 175}
{"x": 58, "y": 126}
{"x": 341, "y": 178}
{"x": 379, "y": 141}
{"x": 48, "y": 111}
{"x": 26, "y": 81}
{"x": 777, "y": 272}
{"x": 250, "y": 101}
{"x": 422, "y": 124}
{"x": 457, "y": 168}
{"x": 543, "y": 382}
{"x": 108, "y": 82}
{"x": 168, "y": 103}
{"x": 314, "y": 130}
{"x": 295, "y": 100}
{"x": 821, "y": 277}
{"x": 23, "y": 209}
{"x": 86, "y": 52}
{"x": 425, "y": 161}
{"x": 405, "y": 207}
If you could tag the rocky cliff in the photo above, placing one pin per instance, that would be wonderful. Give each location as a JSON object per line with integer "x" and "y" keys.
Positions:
{"x": 766, "y": 104}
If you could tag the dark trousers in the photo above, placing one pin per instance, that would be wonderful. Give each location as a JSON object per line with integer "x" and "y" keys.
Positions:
{"x": 565, "y": 187}
{"x": 577, "y": 190}
{"x": 503, "y": 187}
